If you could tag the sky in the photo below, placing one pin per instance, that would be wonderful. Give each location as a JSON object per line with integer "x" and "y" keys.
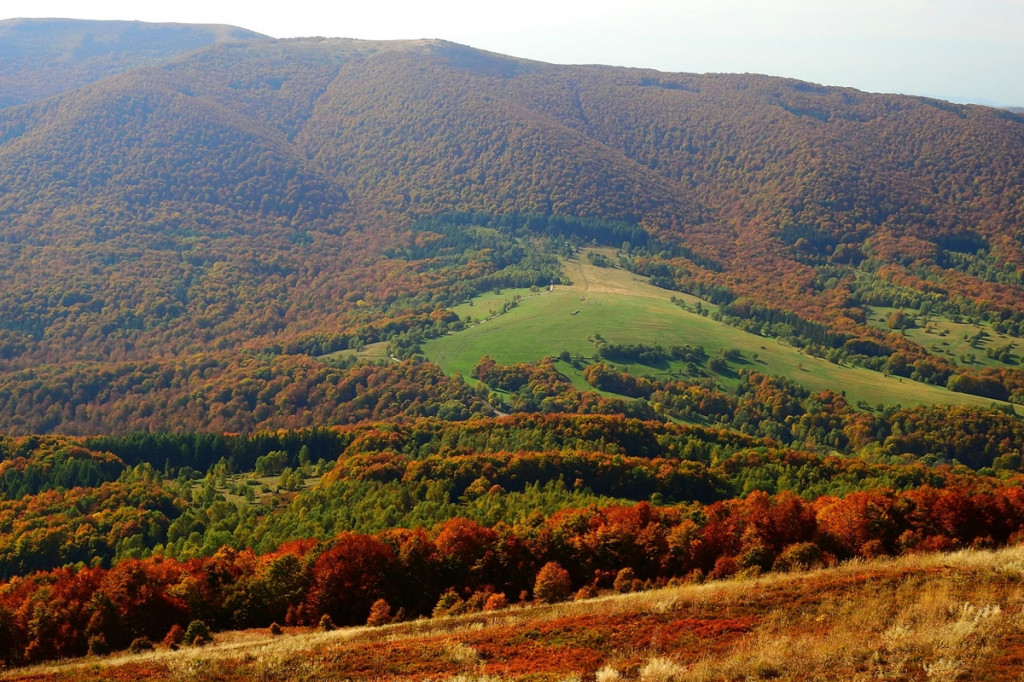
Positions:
{"x": 959, "y": 50}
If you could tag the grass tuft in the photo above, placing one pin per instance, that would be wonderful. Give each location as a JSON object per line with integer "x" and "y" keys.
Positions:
{"x": 662, "y": 670}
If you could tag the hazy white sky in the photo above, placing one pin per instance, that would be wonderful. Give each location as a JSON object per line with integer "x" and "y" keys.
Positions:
{"x": 963, "y": 50}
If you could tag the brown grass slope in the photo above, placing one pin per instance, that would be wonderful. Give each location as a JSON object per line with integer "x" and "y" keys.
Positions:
{"x": 925, "y": 617}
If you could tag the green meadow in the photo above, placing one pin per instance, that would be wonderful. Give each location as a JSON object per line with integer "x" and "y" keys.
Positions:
{"x": 622, "y": 308}
{"x": 963, "y": 343}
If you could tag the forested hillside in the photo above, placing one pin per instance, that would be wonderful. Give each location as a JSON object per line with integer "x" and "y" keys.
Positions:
{"x": 126, "y": 538}
{"x": 257, "y": 195}
{"x": 324, "y": 331}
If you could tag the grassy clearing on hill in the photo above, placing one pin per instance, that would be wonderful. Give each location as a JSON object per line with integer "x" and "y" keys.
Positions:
{"x": 371, "y": 351}
{"x": 925, "y": 617}
{"x": 963, "y": 343}
{"x": 624, "y": 309}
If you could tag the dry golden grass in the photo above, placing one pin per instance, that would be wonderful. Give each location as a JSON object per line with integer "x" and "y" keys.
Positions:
{"x": 932, "y": 617}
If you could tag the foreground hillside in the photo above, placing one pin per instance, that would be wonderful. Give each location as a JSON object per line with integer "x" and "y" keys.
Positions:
{"x": 102, "y": 551}
{"x": 925, "y": 617}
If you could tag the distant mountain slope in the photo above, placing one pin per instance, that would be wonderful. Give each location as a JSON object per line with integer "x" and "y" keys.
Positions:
{"x": 745, "y": 164}
{"x": 442, "y": 127}
{"x": 429, "y": 126}
{"x": 205, "y": 189}
{"x": 43, "y": 57}
{"x": 139, "y": 142}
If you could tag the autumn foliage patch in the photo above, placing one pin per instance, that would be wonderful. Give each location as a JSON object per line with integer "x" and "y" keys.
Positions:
{"x": 58, "y": 613}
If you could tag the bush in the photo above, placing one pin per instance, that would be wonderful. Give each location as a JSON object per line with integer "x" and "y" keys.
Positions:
{"x": 585, "y": 592}
{"x": 496, "y": 601}
{"x": 797, "y": 556}
{"x": 553, "y": 583}
{"x": 98, "y": 645}
{"x": 475, "y": 602}
{"x": 140, "y": 645}
{"x": 717, "y": 365}
{"x": 449, "y": 604}
{"x": 725, "y": 567}
{"x": 624, "y": 580}
{"x": 174, "y": 637}
{"x": 197, "y": 634}
{"x": 275, "y": 629}
{"x": 757, "y": 556}
{"x": 272, "y": 463}
{"x": 380, "y": 613}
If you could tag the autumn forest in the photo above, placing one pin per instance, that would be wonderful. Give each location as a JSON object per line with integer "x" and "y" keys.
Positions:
{"x": 300, "y": 335}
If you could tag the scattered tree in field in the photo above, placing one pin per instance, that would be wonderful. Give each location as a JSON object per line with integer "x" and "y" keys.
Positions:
{"x": 197, "y": 634}
{"x": 553, "y": 583}
{"x": 380, "y": 613}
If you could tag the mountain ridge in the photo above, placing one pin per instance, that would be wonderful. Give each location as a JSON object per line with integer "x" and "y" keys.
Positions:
{"x": 48, "y": 56}
{"x": 303, "y": 166}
